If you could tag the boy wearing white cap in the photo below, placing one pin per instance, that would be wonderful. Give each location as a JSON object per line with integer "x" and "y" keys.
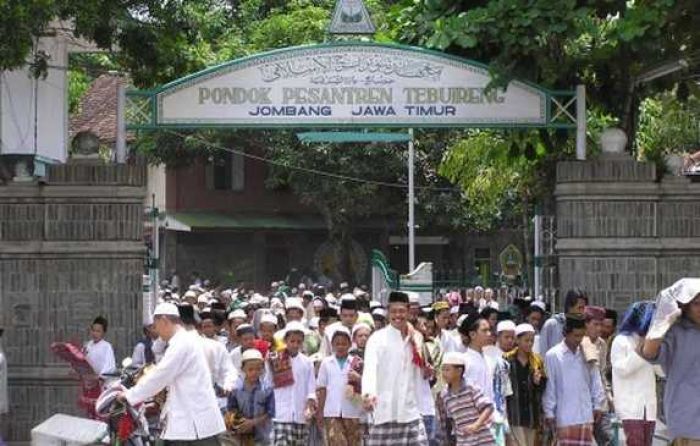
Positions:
{"x": 339, "y": 414}
{"x": 465, "y": 411}
{"x": 528, "y": 382}
{"x": 251, "y": 405}
{"x": 291, "y": 373}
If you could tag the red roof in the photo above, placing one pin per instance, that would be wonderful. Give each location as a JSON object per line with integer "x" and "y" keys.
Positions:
{"x": 97, "y": 111}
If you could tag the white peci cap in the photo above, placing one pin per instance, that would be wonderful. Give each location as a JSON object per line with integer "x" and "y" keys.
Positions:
{"x": 524, "y": 328}
{"x": 251, "y": 354}
{"x": 505, "y": 326}
{"x": 237, "y": 314}
{"x": 268, "y": 318}
{"x": 166, "y": 309}
{"x": 453, "y": 358}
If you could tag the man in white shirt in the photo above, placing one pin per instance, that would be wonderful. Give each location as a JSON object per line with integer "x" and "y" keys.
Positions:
{"x": 573, "y": 398}
{"x": 394, "y": 367}
{"x": 191, "y": 411}
{"x": 99, "y": 353}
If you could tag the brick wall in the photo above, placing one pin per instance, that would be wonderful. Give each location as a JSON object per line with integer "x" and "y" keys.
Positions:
{"x": 70, "y": 249}
{"x": 622, "y": 235}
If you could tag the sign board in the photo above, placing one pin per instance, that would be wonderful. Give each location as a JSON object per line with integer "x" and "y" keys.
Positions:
{"x": 348, "y": 84}
{"x": 351, "y": 17}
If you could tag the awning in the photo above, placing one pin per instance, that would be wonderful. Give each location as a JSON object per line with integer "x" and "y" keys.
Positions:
{"x": 206, "y": 221}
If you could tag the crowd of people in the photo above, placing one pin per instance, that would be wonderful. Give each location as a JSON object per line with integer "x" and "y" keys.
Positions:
{"x": 307, "y": 366}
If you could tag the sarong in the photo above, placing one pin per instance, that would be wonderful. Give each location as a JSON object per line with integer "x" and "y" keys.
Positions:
{"x": 686, "y": 442}
{"x": 576, "y": 435}
{"x": 290, "y": 434}
{"x": 398, "y": 434}
{"x": 639, "y": 432}
{"x": 342, "y": 431}
{"x": 523, "y": 436}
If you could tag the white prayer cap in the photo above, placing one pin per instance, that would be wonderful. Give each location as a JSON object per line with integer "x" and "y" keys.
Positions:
{"x": 478, "y": 288}
{"x": 203, "y": 299}
{"x": 257, "y": 299}
{"x": 357, "y": 292}
{"x": 524, "y": 328}
{"x": 374, "y": 304}
{"x": 342, "y": 329}
{"x": 343, "y": 285}
{"x": 454, "y": 309}
{"x": 360, "y": 326}
{"x": 453, "y": 358}
{"x": 379, "y": 312}
{"x": 539, "y": 304}
{"x": 166, "y": 309}
{"x": 237, "y": 314}
{"x": 251, "y": 354}
{"x": 294, "y": 326}
{"x": 347, "y": 296}
{"x": 268, "y": 318}
{"x": 293, "y": 302}
{"x": 313, "y": 322}
{"x": 505, "y": 326}
{"x": 413, "y": 297}
{"x": 330, "y": 298}
{"x": 308, "y": 294}
{"x": 190, "y": 293}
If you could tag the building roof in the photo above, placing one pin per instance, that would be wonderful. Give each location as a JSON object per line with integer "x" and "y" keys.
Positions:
{"x": 97, "y": 111}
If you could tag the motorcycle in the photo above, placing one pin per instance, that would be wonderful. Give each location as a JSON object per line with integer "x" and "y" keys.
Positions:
{"x": 127, "y": 425}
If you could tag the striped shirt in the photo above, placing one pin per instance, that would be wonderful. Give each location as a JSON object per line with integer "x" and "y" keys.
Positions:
{"x": 463, "y": 408}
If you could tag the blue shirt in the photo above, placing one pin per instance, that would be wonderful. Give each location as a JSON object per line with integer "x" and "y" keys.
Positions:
{"x": 574, "y": 389}
{"x": 252, "y": 403}
{"x": 679, "y": 357}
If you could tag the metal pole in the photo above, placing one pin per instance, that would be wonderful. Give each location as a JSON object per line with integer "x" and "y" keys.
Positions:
{"x": 156, "y": 255}
{"x": 411, "y": 206}
{"x": 121, "y": 124}
{"x": 580, "y": 122}
{"x": 538, "y": 255}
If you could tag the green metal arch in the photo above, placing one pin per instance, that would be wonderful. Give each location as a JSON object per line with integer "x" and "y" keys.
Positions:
{"x": 145, "y": 102}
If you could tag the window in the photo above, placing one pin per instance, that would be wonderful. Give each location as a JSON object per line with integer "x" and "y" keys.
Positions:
{"x": 226, "y": 172}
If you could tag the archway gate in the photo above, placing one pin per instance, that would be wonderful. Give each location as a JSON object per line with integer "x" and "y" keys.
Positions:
{"x": 352, "y": 86}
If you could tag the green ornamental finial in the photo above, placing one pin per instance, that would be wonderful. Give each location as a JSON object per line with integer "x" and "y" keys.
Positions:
{"x": 351, "y": 17}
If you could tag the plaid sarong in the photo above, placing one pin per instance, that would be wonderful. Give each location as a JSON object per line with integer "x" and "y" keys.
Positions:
{"x": 397, "y": 434}
{"x": 576, "y": 435}
{"x": 289, "y": 434}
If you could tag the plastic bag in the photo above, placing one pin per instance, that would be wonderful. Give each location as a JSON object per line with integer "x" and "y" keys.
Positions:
{"x": 667, "y": 308}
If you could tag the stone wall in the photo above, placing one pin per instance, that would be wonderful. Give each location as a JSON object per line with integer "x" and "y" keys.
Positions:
{"x": 70, "y": 249}
{"x": 622, "y": 235}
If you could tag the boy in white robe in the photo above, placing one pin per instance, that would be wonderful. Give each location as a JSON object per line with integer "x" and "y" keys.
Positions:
{"x": 99, "y": 353}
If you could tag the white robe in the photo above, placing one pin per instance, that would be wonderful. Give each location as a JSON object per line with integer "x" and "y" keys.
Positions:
{"x": 191, "y": 410}
{"x": 223, "y": 373}
{"x": 100, "y": 355}
{"x": 391, "y": 376}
